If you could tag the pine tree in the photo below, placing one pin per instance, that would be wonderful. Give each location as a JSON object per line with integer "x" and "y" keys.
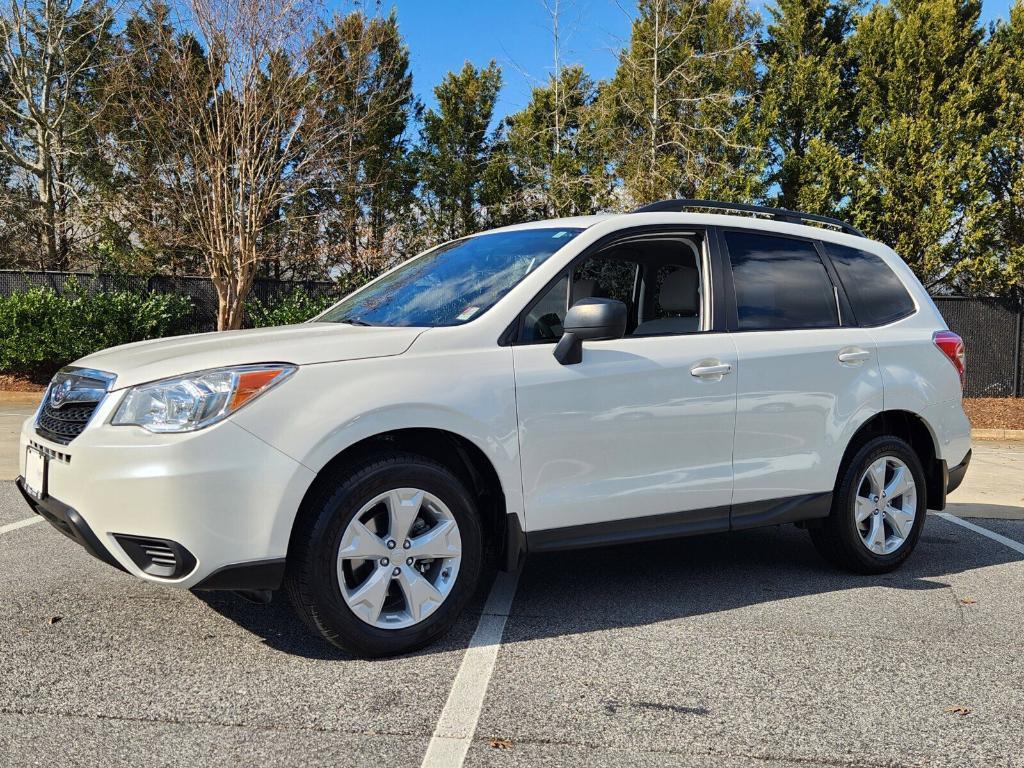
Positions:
{"x": 675, "y": 112}
{"x": 365, "y": 87}
{"x": 140, "y": 199}
{"x": 552, "y": 150}
{"x": 805, "y": 118}
{"x": 1000, "y": 269}
{"x": 455, "y": 149}
{"x": 920, "y": 120}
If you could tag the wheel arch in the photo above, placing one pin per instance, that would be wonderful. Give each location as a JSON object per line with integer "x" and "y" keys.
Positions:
{"x": 460, "y": 455}
{"x": 919, "y": 434}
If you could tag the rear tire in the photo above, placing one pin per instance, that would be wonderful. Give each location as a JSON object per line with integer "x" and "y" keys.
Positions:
{"x": 869, "y": 529}
{"x": 379, "y": 605}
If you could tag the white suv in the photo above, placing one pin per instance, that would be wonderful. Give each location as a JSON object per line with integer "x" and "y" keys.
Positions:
{"x": 565, "y": 383}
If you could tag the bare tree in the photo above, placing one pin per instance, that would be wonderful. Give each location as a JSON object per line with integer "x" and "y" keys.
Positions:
{"x": 240, "y": 136}
{"x": 50, "y": 53}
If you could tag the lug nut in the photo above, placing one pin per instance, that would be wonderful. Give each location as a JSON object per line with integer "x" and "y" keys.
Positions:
{"x": 407, "y": 544}
{"x": 385, "y": 561}
{"x": 391, "y": 543}
{"x": 396, "y": 571}
{"x": 408, "y": 561}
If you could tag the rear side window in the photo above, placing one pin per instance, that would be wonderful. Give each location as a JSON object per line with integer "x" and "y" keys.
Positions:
{"x": 877, "y": 295}
{"x": 780, "y": 283}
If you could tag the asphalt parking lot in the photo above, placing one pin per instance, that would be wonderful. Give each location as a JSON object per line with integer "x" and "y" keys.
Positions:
{"x": 734, "y": 650}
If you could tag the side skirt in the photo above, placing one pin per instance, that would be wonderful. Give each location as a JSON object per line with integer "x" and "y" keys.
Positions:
{"x": 758, "y": 514}
{"x": 792, "y": 509}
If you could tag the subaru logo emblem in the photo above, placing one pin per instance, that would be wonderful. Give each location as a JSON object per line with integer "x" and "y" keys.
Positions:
{"x": 60, "y": 393}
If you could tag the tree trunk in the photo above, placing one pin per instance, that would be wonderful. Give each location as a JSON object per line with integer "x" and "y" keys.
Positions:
{"x": 230, "y": 309}
{"x": 48, "y": 209}
{"x": 231, "y": 294}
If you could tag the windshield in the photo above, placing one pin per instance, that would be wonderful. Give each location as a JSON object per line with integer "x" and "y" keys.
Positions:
{"x": 453, "y": 283}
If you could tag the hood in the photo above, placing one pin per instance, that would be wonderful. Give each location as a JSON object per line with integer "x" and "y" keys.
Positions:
{"x": 301, "y": 344}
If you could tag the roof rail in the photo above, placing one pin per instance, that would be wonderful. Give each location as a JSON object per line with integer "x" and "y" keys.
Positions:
{"x": 779, "y": 214}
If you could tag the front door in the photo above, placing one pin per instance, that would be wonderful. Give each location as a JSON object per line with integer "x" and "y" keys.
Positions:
{"x": 636, "y": 440}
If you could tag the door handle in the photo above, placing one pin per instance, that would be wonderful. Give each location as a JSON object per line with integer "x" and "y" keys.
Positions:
{"x": 706, "y": 370}
{"x": 854, "y": 355}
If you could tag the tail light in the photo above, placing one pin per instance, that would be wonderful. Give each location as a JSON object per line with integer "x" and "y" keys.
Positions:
{"x": 952, "y": 346}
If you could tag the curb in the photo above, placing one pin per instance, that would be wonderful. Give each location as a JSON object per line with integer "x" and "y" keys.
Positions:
{"x": 20, "y": 398}
{"x": 997, "y": 434}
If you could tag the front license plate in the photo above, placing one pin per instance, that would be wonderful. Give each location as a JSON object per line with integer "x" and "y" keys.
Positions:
{"x": 35, "y": 473}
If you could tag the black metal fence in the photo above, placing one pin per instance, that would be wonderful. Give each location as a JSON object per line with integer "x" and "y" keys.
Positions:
{"x": 993, "y": 332}
{"x": 992, "y": 329}
{"x": 204, "y": 296}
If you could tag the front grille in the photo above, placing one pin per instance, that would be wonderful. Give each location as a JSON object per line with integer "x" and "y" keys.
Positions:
{"x": 62, "y": 425}
{"x": 50, "y": 453}
{"x": 69, "y": 403}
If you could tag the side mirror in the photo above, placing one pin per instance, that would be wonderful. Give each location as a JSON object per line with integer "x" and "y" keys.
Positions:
{"x": 589, "y": 320}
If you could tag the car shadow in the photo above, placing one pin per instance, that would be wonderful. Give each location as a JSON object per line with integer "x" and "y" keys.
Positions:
{"x": 578, "y": 591}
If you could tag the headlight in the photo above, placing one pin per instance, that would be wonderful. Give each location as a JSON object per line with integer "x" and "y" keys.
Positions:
{"x": 188, "y": 403}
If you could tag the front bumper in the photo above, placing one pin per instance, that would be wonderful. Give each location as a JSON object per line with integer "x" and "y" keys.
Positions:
{"x": 69, "y": 522}
{"x": 220, "y": 500}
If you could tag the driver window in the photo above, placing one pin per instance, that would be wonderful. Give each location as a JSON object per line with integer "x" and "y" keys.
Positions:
{"x": 658, "y": 279}
{"x": 611, "y": 277}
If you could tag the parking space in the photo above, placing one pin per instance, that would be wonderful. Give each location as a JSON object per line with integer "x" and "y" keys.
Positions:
{"x": 94, "y": 662}
{"x": 718, "y": 651}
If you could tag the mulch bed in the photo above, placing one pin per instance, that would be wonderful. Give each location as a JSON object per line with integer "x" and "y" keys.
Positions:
{"x": 17, "y": 383}
{"x": 995, "y": 412}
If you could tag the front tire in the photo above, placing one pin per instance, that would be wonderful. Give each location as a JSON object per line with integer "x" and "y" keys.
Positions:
{"x": 385, "y": 556}
{"x": 878, "y": 509}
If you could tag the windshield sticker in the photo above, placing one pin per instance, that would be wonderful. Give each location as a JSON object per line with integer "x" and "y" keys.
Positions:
{"x": 467, "y": 313}
{"x": 562, "y": 233}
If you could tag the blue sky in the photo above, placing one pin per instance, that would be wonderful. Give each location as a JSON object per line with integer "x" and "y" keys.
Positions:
{"x": 442, "y": 34}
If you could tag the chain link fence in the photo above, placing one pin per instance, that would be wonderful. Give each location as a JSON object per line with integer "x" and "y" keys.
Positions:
{"x": 199, "y": 289}
{"x": 993, "y": 329}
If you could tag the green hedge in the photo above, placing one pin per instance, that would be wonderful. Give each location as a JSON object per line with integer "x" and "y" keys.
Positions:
{"x": 41, "y": 330}
{"x": 297, "y": 306}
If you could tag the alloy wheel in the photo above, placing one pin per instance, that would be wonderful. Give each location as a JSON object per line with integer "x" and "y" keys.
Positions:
{"x": 886, "y": 505}
{"x": 399, "y": 558}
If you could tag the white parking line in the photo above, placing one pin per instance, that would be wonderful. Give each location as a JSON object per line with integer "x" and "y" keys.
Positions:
{"x": 20, "y": 524}
{"x": 457, "y": 723}
{"x": 1016, "y": 546}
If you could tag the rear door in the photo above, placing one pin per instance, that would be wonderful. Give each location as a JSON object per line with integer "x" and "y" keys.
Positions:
{"x": 807, "y": 376}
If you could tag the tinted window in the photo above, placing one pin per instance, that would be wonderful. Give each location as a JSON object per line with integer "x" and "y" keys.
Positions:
{"x": 877, "y": 295}
{"x": 453, "y": 283}
{"x": 780, "y": 283}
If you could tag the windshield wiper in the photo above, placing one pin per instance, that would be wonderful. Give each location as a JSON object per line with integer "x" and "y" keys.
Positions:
{"x": 355, "y": 321}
